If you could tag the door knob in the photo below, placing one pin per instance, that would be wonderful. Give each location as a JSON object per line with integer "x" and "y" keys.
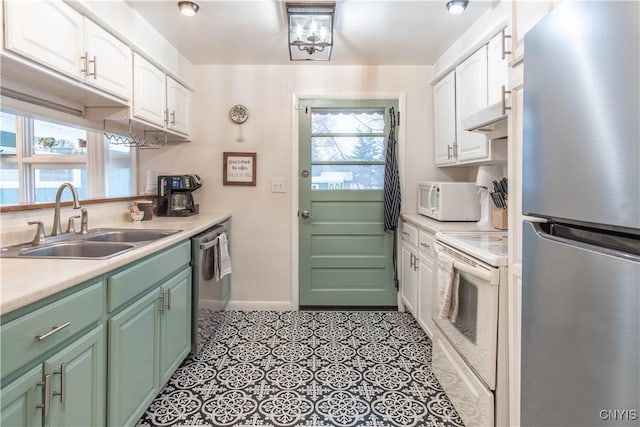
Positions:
{"x": 305, "y": 214}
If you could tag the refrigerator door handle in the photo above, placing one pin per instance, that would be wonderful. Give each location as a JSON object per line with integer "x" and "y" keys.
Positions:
{"x": 608, "y": 244}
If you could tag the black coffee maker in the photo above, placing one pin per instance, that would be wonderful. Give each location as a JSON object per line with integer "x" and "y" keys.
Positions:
{"x": 174, "y": 195}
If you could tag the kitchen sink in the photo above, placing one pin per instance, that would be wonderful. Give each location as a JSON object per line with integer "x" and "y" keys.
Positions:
{"x": 99, "y": 243}
{"x": 78, "y": 249}
{"x": 126, "y": 235}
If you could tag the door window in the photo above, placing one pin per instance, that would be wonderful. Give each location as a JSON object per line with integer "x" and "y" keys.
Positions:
{"x": 347, "y": 149}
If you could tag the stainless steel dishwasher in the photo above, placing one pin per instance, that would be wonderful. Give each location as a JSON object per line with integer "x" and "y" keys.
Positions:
{"x": 210, "y": 296}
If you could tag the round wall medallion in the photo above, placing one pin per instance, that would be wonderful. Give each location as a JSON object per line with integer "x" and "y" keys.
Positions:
{"x": 239, "y": 113}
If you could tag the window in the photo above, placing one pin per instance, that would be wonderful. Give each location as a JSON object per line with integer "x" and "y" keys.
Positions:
{"x": 37, "y": 156}
{"x": 347, "y": 149}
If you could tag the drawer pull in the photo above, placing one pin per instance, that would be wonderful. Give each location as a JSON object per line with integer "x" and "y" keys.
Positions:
{"x": 45, "y": 398}
{"x": 53, "y": 330}
{"x": 63, "y": 381}
{"x": 404, "y": 233}
{"x": 425, "y": 245}
{"x": 162, "y": 302}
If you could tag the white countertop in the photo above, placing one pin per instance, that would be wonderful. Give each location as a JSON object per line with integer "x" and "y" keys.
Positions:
{"x": 25, "y": 281}
{"x": 434, "y": 226}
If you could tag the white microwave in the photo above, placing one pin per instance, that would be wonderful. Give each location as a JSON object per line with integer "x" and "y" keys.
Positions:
{"x": 449, "y": 201}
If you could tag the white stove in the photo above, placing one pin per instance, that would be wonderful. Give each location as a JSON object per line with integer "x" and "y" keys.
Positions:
{"x": 487, "y": 246}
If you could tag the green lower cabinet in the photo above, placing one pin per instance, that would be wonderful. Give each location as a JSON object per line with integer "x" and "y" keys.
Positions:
{"x": 133, "y": 360}
{"x": 68, "y": 389}
{"x": 147, "y": 342}
{"x": 78, "y": 382}
{"x": 175, "y": 324}
{"x": 21, "y": 398}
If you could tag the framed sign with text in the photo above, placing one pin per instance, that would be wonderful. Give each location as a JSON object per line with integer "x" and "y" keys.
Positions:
{"x": 239, "y": 169}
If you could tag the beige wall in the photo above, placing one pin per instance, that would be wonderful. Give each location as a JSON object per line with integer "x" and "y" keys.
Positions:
{"x": 264, "y": 223}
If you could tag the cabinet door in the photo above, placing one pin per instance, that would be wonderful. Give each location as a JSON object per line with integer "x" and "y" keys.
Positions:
{"x": 175, "y": 323}
{"x": 425, "y": 289}
{"x": 109, "y": 61}
{"x": 149, "y": 92}
{"x": 78, "y": 382}
{"x": 179, "y": 107}
{"x": 133, "y": 360}
{"x": 471, "y": 96}
{"x": 526, "y": 14}
{"x": 497, "y": 70}
{"x": 408, "y": 284}
{"x": 20, "y": 399}
{"x": 46, "y": 31}
{"x": 444, "y": 111}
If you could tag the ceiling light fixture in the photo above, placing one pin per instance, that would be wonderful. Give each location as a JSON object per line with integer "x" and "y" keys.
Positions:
{"x": 310, "y": 31}
{"x": 457, "y": 6}
{"x": 188, "y": 8}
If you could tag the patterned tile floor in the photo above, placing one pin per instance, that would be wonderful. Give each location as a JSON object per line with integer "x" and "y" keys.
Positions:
{"x": 324, "y": 368}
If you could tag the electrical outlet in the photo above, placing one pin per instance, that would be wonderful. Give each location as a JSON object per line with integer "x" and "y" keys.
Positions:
{"x": 278, "y": 185}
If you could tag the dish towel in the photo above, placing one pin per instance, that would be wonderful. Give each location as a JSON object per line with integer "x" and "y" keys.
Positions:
{"x": 448, "y": 281}
{"x": 224, "y": 260}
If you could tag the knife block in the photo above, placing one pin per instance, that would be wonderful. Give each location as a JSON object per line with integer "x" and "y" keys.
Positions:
{"x": 500, "y": 219}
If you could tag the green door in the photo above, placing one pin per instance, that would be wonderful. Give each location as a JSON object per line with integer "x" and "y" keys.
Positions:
{"x": 20, "y": 400}
{"x": 78, "y": 382}
{"x": 175, "y": 323}
{"x": 345, "y": 255}
{"x": 133, "y": 360}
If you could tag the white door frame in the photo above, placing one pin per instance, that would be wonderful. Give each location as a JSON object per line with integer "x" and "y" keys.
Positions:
{"x": 295, "y": 199}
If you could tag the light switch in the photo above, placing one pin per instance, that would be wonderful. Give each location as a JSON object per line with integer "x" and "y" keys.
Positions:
{"x": 278, "y": 185}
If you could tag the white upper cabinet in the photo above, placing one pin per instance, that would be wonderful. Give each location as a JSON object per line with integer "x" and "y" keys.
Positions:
{"x": 160, "y": 100}
{"x": 53, "y": 34}
{"x": 471, "y": 96}
{"x": 149, "y": 92}
{"x": 108, "y": 61}
{"x": 179, "y": 107}
{"x": 497, "y": 68}
{"x": 444, "y": 107}
{"x": 47, "y": 32}
{"x": 526, "y": 14}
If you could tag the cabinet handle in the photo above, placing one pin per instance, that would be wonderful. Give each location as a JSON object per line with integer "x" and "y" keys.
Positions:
{"x": 425, "y": 245}
{"x": 411, "y": 261}
{"x": 416, "y": 266}
{"x": 448, "y": 152}
{"x": 85, "y": 66}
{"x": 173, "y": 118}
{"x": 166, "y": 116}
{"x": 454, "y": 150}
{"x": 53, "y": 330}
{"x": 45, "y": 398}
{"x": 168, "y": 300}
{"x": 505, "y": 36}
{"x": 63, "y": 381}
{"x": 161, "y": 298}
{"x": 93, "y": 61}
{"x": 504, "y": 100}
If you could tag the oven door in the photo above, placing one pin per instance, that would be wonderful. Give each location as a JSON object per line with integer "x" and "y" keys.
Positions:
{"x": 474, "y": 332}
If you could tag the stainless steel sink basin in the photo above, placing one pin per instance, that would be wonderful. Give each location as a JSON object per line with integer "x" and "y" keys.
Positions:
{"x": 78, "y": 249}
{"x": 99, "y": 243}
{"x": 126, "y": 235}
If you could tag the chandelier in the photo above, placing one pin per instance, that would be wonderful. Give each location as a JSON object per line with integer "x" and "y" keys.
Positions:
{"x": 310, "y": 31}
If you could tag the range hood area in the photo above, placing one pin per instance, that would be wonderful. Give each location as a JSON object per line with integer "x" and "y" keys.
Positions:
{"x": 490, "y": 121}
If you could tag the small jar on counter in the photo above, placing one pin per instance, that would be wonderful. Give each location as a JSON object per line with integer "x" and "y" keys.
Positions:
{"x": 145, "y": 206}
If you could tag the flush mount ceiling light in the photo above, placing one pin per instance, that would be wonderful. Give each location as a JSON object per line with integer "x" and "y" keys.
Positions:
{"x": 457, "y": 6}
{"x": 188, "y": 8}
{"x": 310, "y": 31}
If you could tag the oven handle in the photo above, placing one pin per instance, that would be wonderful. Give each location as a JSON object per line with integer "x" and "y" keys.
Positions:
{"x": 209, "y": 244}
{"x": 491, "y": 276}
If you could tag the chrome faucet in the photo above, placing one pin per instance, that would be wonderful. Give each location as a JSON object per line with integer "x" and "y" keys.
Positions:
{"x": 57, "y": 227}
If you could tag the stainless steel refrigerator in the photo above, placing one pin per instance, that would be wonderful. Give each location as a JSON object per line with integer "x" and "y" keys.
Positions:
{"x": 581, "y": 178}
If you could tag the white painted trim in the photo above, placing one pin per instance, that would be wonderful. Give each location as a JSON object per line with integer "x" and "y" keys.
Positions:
{"x": 260, "y": 305}
{"x": 296, "y": 97}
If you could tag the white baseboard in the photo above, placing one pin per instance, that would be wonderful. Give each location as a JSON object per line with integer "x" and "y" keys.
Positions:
{"x": 260, "y": 305}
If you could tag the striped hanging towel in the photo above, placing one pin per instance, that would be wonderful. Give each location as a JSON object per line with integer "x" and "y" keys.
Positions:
{"x": 391, "y": 180}
{"x": 392, "y": 196}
